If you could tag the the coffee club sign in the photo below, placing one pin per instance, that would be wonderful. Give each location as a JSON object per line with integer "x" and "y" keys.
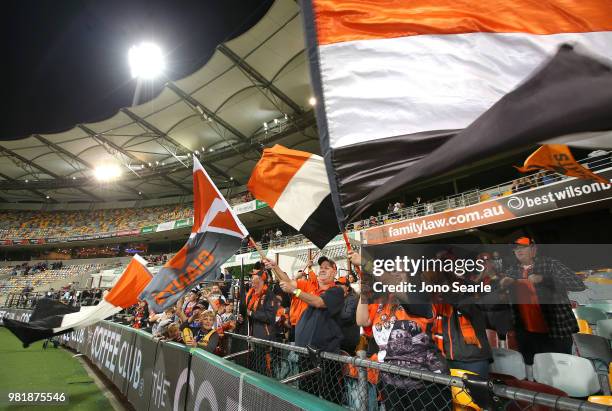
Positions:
{"x": 161, "y": 376}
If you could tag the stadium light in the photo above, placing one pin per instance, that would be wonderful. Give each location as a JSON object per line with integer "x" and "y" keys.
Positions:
{"x": 312, "y": 101}
{"x": 146, "y": 61}
{"x": 107, "y": 172}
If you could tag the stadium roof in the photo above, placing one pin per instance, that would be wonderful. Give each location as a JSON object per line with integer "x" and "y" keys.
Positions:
{"x": 217, "y": 113}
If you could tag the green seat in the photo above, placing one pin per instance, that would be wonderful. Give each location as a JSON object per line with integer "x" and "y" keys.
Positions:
{"x": 604, "y": 328}
{"x": 605, "y": 305}
{"x": 590, "y": 314}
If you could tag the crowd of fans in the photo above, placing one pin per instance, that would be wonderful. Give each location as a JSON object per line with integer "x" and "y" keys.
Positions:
{"x": 44, "y": 224}
{"x": 339, "y": 314}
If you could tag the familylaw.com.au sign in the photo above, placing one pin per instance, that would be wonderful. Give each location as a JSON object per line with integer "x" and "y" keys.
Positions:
{"x": 548, "y": 198}
{"x": 155, "y": 375}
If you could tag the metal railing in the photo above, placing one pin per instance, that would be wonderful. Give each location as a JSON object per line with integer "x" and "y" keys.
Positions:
{"x": 360, "y": 384}
{"x": 464, "y": 199}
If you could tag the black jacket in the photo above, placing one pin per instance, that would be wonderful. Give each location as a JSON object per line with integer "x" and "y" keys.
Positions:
{"x": 263, "y": 319}
{"x": 347, "y": 321}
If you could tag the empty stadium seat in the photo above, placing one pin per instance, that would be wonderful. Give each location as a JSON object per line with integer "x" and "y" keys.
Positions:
{"x": 508, "y": 362}
{"x": 597, "y": 349}
{"x": 590, "y": 314}
{"x": 605, "y": 306}
{"x": 604, "y": 328}
{"x": 584, "y": 327}
{"x": 593, "y": 347}
{"x": 462, "y": 401}
{"x": 601, "y": 399}
{"x": 574, "y": 375}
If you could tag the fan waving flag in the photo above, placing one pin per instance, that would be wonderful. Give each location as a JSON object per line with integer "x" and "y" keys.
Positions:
{"x": 294, "y": 184}
{"x": 215, "y": 236}
{"x": 571, "y": 95}
{"x": 395, "y": 80}
{"x": 559, "y": 159}
{"x": 51, "y": 317}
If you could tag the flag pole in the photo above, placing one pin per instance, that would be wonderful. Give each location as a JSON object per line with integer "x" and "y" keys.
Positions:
{"x": 276, "y": 268}
{"x": 349, "y": 249}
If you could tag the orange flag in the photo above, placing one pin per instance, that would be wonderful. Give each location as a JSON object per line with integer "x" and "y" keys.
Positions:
{"x": 558, "y": 158}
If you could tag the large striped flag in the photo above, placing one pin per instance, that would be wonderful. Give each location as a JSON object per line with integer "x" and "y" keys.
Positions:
{"x": 395, "y": 79}
{"x": 294, "y": 184}
{"x": 51, "y": 317}
{"x": 215, "y": 236}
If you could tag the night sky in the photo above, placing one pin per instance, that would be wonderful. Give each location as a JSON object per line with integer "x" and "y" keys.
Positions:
{"x": 65, "y": 62}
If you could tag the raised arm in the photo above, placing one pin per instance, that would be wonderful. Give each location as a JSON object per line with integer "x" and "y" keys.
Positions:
{"x": 362, "y": 316}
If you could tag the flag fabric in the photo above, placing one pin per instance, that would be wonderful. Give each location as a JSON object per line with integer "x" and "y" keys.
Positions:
{"x": 294, "y": 184}
{"x": 395, "y": 80}
{"x": 559, "y": 159}
{"x": 215, "y": 236}
{"x": 570, "y": 95}
{"x": 51, "y": 317}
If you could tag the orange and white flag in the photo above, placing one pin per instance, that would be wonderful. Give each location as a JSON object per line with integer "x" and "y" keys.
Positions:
{"x": 50, "y": 317}
{"x": 558, "y": 158}
{"x": 215, "y": 236}
{"x": 294, "y": 184}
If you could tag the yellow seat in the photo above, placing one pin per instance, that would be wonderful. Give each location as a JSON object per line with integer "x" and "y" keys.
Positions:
{"x": 462, "y": 401}
{"x": 601, "y": 399}
{"x": 584, "y": 327}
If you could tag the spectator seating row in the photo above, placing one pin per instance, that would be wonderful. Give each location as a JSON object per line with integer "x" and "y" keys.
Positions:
{"x": 43, "y": 278}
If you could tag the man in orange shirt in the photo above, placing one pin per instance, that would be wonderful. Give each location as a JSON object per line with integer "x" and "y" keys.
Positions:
{"x": 298, "y": 306}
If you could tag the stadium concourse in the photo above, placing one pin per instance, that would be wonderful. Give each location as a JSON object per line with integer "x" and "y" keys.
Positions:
{"x": 289, "y": 317}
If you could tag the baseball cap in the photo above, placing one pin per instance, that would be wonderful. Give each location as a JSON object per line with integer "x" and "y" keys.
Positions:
{"x": 323, "y": 259}
{"x": 523, "y": 242}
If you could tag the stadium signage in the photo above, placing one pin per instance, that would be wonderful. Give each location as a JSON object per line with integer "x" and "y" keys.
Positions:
{"x": 148, "y": 229}
{"x": 15, "y": 314}
{"x": 158, "y": 375}
{"x": 110, "y": 352}
{"x": 551, "y": 197}
{"x": 249, "y": 206}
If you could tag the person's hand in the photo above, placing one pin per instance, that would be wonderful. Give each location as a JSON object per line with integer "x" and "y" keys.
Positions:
{"x": 287, "y": 286}
{"x": 535, "y": 278}
{"x": 239, "y": 318}
{"x": 506, "y": 282}
{"x": 354, "y": 257}
{"x": 270, "y": 264}
{"x": 309, "y": 263}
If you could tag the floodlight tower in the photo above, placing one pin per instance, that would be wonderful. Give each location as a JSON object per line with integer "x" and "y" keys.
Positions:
{"x": 146, "y": 63}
